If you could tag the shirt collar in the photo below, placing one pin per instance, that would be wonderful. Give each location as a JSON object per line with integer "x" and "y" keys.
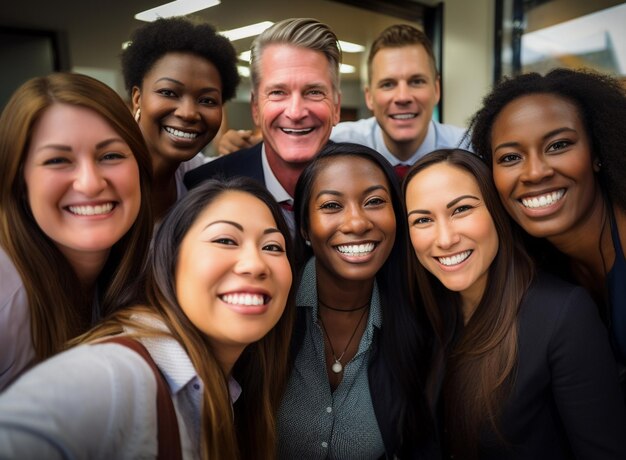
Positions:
{"x": 174, "y": 362}
{"x": 428, "y": 145}
{"x": 271, "y": 182}
{"x": 306, "y": 297}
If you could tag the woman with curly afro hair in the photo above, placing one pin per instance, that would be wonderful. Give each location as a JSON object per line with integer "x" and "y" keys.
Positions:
{"x": 178, "y": 75}
{"x": 555, "y": 144}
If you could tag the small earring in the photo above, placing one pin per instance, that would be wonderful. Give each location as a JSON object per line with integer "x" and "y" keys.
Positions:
{"x": 597, "y": 165}
{"x": 307, "y": 242}
{"x": 137, "y": 115}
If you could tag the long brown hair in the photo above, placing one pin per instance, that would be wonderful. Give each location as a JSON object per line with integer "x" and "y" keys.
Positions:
{"x": 480, "y": 357}
{"x": 59, "y": 310}
{"x": 261, "y": 370}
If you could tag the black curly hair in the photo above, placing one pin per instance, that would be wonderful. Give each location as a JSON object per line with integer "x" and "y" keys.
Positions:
{"x": 154, "y": 40}
{"x": 601, "y": 101}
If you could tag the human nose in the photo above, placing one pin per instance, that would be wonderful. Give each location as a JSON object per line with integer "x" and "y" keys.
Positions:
{"x": 447, "y": 236}
{"x": 89, "y": 179}
{"x": 536, "y": 168}
{"x": 402, "y": 94}
{"x": 251, "y": 262}
{"x": 295, "y": 109}
{"x": 355, "y": 221}
{"x": 187, "y": 109}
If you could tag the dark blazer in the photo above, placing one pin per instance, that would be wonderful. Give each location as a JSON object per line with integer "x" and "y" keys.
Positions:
{"x": 244, "y": 162}
{"x": 565, "y": 401}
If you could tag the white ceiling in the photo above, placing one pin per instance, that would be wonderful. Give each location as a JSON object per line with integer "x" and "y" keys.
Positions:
{"x": 95, "y": 30}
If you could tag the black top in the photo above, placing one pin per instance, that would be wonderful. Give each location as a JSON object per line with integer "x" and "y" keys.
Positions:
{"x": 565, "y": 402}
{"x": 245, "y": 162}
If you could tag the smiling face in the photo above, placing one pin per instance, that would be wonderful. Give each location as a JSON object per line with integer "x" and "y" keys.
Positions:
{"x": 352, "y": 223}
{"x": 402, "y": 93}
{"x": 232, "y": 274}
{"x": 181, "y": 106}
{"x": 82, "y": 181}
{"x": 451, "y": 231}
{"x": 295, "y": 104}
{"x": 542, "y": 164}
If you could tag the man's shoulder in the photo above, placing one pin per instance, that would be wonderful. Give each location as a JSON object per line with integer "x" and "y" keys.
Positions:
{"x": 354, "y": 131}
{"x": 450, "y": 136}
{"x": 244, "y": 162}
{"x": 449, "y": 129}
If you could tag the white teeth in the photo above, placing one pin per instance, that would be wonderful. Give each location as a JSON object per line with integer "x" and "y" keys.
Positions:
{"x": 543, "y": 200}
{"x": 403, "y": 116}
{"x": 91, "y": 210}
{"x": 356, "y": 249}
{"x": 243, "y": 299}
{"x": 179, "y": 133}
{"x": 455, "y": 259}
{"x": 297, "y": 131}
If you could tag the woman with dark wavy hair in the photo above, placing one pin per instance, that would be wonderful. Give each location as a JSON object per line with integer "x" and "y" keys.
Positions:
{"x": 75, "y": 219}
{"x": 524, "y": 366}
{"x": 555, "y": 145}
{"x": 215, "y": 320}
{"x": 360, "y": 353}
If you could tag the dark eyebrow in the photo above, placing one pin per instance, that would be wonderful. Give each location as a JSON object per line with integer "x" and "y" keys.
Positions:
{"x": 267, "y": 231}
{"x": 462, "y": 197}
{"x": 229, "y": 222}
{"x": 67, "y": 148}
{"x": 374, "y": 188}
{"x": 418, "y": 211}
{"x": 208, "y": 89}
{"x": 171, "y": 80}
{"x": 548, "y": 135}
{"x": 328, "y": 192}
{"x": 365, "y": 192}
{"x": 108, "y": 142}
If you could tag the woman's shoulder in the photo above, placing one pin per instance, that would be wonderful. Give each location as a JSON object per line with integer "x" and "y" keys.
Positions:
{"x": 16, "y": 348}
{"x": 10, "y": 280}
{"x": 103, "y": 388}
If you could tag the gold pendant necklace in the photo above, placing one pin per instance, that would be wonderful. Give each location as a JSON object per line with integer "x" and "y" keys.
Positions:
{"x": 337, "y": 367}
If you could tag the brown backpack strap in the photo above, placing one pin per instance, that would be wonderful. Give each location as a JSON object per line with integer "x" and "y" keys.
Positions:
{"x": 168, "y": 436}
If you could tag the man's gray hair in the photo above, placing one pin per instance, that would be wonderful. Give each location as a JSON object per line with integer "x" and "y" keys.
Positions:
{"x": 301, "y": 32}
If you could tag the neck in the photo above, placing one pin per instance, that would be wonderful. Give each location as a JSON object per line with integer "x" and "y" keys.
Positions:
{"x": 227, "y": 356}
{"x": 163, "y": 186}
{"x": 403, "y": 151}
{"x": 87, "y": 266}
{"x": 589, "y": 244}
{"x": 286, "y": 173}
{"x": 342, "y": 294}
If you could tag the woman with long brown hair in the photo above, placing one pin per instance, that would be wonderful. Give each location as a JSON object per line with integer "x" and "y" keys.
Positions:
{"x": 524, "y": 367}
{"x": 215, "y": 319}
{"x": 74, "y": 214}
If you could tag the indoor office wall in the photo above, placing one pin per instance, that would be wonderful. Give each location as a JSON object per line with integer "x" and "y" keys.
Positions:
{"x": 95, "y": 33}
{"x": 25, "y": 54}
{"x": 468, "y": 42}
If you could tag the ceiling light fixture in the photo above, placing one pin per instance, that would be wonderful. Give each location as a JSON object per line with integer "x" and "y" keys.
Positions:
{"x": 346, "y": 68}
{"x": 175, "y": 8}
{"x": 243, "y": 71}
{"x": 348, "y": 47}
{"x": 245, "y": 56}
{"x": 246, "y": 31}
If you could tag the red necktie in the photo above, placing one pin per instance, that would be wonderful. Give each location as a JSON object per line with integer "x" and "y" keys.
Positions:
{"x": 286, "y": 205}
{"x": 401, "y": 170}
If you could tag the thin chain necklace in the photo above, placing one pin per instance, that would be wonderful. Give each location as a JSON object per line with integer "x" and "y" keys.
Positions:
{"x": 337, "y": 367}
{"x": 341, "y": 309}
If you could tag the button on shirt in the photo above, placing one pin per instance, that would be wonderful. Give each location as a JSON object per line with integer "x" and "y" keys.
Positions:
{"x": 313, "y": 422}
